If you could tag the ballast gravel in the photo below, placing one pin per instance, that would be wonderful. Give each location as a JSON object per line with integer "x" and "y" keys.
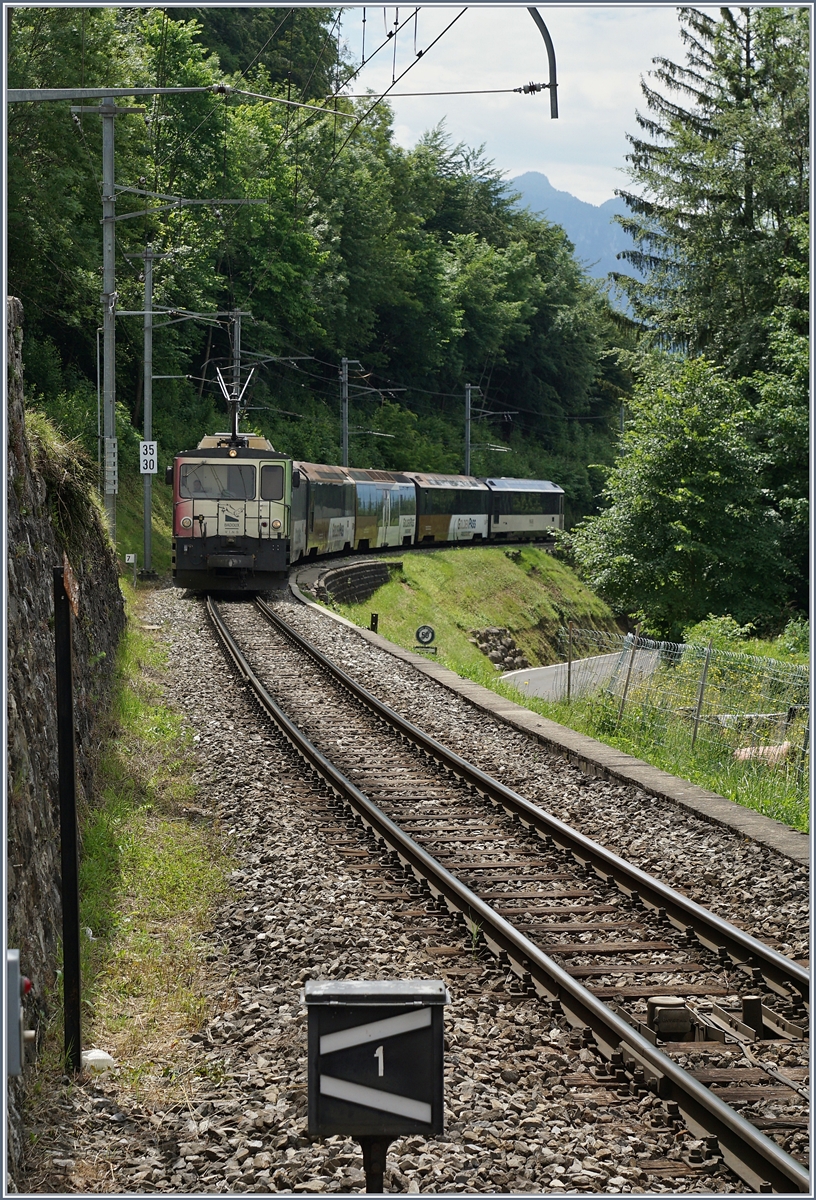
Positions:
{"x": 748, "y": 884}
{"x": 235, "y": 1116}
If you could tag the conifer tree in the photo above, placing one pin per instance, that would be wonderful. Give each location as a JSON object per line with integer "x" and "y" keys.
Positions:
{"x": 720, "y": 173}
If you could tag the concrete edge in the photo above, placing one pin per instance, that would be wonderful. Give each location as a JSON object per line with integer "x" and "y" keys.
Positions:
{"x": 593, "y": 757}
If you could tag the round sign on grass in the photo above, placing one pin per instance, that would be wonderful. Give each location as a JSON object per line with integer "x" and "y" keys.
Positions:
{"x": 425, "y": 635}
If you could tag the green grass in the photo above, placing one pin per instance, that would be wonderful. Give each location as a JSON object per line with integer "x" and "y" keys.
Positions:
{"x": 780, "y": 792}
{"x": 455, "y": 590}
{"x": 130, "y": 521}
{"x": 150, "y": 872}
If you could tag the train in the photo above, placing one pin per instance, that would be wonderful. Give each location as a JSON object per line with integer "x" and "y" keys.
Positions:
{"x": 243, "y": 513}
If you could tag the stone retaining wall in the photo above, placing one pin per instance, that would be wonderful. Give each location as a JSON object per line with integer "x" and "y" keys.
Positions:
{"x": 35, "y": 547}
{"x": 354, "y": 582}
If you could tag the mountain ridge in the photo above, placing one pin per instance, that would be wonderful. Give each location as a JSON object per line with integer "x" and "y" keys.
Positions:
{"x": 598, "y": 239}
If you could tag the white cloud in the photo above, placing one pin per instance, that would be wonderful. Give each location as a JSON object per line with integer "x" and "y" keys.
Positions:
{"x": 601, "y": 53}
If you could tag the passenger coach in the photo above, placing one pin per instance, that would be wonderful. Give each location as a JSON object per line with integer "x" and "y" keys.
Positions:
{"x": 524, "y": 508}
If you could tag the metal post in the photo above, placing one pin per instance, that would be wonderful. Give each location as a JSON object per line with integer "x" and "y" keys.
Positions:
{"x": 548, "y": 42}
{"x": 805, "y": 742}
{"x": 467, "y": 428}
{"x": 148, "y": 405}
{"x": 72, "y": 992}
{"x": 628, "y": 673}
{"x": 99, "y": 475}
{"x": 344, "y": 362}
{"x": 375, "y": 1151}
{"x": 569, "y": 667}
{"x": 109, "y": 307}
{"x": 699, "y": 707}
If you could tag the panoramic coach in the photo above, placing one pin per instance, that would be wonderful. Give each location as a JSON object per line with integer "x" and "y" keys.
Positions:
{"x": 524, "y": 508}
{"x": 450, "y": 508}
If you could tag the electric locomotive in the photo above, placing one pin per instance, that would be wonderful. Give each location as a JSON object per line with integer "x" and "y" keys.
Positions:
{"x": 231, "y": 513}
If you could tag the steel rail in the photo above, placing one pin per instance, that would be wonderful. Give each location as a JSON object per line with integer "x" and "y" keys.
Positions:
{"x": 756, "y": 1159}
{"x": 715, "y": 933}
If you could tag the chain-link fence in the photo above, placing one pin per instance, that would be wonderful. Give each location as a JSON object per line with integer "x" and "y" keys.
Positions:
{"x": 750, "y": 707}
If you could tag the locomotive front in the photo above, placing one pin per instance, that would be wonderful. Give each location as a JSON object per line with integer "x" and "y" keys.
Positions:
{"x": 231, "y": 514}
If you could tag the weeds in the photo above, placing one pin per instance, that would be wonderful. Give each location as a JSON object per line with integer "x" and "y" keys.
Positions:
{"x": 148, "y": 877}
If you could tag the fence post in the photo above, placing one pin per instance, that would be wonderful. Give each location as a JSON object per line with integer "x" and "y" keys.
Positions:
{"x": 569, "y": 667}
{"x": 805, "y": 741}
{"x": 629, "y": 672}
{"x": 701, "y": 693}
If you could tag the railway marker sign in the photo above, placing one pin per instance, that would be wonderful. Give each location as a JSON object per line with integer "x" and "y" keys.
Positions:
{"x": 375, "y": 1062}
{"x": 148, "y": 458}
{"x": 425, "y": 635}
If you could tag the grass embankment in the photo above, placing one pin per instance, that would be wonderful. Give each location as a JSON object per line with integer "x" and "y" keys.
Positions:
{"x": 151, "y": 869}
{"x": 779, "y": 791}
{"x": 130, "y": 521}
{"x": 457, "y": 590}
{"x": 527, "y": 591}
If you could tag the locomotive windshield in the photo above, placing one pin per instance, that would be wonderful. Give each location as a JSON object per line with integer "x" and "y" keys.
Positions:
{"x": 217, "y": 481}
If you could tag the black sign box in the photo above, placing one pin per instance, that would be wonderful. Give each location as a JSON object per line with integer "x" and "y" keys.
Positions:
{"x": 376, "y": 1057}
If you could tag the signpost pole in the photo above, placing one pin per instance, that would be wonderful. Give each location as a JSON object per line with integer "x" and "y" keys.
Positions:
{"x": 375, "y": 1151}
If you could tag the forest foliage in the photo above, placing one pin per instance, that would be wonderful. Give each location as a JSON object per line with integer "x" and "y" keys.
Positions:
{"x": 420, "y": 267}
{"x": 417, "y": 264}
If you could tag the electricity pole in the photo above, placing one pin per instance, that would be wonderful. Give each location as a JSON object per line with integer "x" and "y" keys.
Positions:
{"x": 467, "y": 428}
{"x": 107, "y": 108}
{"x": 344, "y": 362}
{"x": 149, "y": 258}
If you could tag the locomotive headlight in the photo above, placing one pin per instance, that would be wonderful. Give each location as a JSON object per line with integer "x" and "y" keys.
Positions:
{"x": 233, "y": 453}
{"x": 186, "y": 522}
{"x": 276, "y": 524}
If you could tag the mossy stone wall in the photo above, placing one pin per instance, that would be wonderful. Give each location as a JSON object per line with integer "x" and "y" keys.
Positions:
{"x": 37, "y": 494}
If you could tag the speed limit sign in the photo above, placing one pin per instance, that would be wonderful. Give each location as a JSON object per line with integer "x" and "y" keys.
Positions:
{"x": 148, "y": 458}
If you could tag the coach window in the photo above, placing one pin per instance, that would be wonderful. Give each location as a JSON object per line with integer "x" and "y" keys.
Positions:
{"x": 272, "y": 481}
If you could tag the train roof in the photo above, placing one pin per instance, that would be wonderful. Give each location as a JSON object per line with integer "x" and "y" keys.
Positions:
{"x": 251, "y": 441}
{"x": 463, "y": 482}
{"x": 369, "y": 475}
{"x": 321, "y": 473}
{"x": 503, "y": 484}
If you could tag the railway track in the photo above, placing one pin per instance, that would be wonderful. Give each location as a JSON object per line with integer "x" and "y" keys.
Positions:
{"x": 636, "y": 968}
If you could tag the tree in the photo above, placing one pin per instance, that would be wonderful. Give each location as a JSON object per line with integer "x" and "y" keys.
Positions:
{"x": 688, "y": 529}
{"x": 721, "y": 174}
{"x": 781, "y": 412}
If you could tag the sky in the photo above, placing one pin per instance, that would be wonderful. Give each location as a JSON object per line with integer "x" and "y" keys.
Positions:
{"x": 601, "y": 53}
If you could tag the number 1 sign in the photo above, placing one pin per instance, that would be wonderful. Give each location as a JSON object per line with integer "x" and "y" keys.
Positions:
{"x": 375, "y": 1056}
